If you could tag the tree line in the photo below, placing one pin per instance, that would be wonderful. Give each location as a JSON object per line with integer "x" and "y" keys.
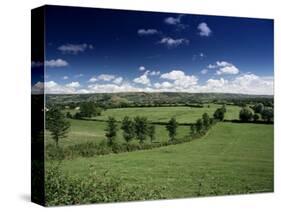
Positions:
{"x": 258, "y": 112}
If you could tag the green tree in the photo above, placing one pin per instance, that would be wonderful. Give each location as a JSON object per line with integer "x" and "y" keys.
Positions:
{"x": 219, "y": 114}
{"x": 206, "y": 120}
{"x": 141, "y": 126}
{"x": 172, "y": 128}
{"x": 267, "y": 114}
{"x": 77, "y": 115}
{"x": 68, "y": 115}
{"x": 199, "y": 125}
{"x": 256, "y": 116}
{"x": 192, "y": 129}
{"x": 128, "y": 128}
{"x": 245, "y": 114}
{"x": 111, "y": 130}
{"x": 151, "y": 132}
{"x": 89, "y": 109}
{"x": 258, "y": 108}
{"x": 57, "y": 124}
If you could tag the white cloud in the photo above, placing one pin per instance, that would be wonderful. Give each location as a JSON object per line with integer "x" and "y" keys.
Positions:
{"x": 171, "y": 42}
{"x": 112, "y": 88}
{"x": 73, "y": 85}
{"x": 224, "y": 67}
{"x": 93, "y": 79}
{"x": 175, "y": 21}
{"x": 173, "y": 81}
{"x": 204, "y": 71}
{"x": 223, "y": 63}
{"x": 65, "y": 77}
{"x": 154, "y": 73}
{"x": 56, "y": 63}
{"x": 181, "y": 81}
{"x": 163, "y": 86}
{"x": 118, "y": 80}
{"x": 74, "y": 48}
{"x": 204, "y": 30}
{"x": 106, "y": 77}
{"x": 147, "y": 31}
{"x": 228, "y": 70}
{"x": 211, "y": 66}
{"x": 143, "y": 79}
{"x": 243, "y": 84}
{"x": 142, "y": 68}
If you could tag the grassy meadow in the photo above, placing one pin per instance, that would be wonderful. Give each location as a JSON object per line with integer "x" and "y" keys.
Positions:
{"x": 163, "y": 114}
{"x": 227, "y": 160}
{"x": 232, "y": 158}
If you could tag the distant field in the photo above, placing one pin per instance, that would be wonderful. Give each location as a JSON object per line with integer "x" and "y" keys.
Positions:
{"x": 163, "y": 114}
{"x": 82, "y": 131}
{"x": 231, "y": 159}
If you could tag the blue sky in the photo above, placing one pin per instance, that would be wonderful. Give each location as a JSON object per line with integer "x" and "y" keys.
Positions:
{"x": 96, "y": 50}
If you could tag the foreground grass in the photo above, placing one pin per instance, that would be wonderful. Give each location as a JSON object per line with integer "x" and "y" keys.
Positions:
{"x": 231, "y": 159}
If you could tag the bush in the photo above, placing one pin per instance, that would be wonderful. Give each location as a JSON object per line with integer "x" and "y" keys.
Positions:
{"x": 246, "y": 114}
{"x": 62, "y": 189}
{"x": 256, "y": 117}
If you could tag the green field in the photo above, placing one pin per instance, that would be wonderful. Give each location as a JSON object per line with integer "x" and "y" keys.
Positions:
{"x": 230, "y": 159}
{"x": 82, "y": 131}
{"x": 163, "y": 114}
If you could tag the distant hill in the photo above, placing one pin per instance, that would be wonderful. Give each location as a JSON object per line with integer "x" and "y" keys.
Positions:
{"x": 144, "y": 98}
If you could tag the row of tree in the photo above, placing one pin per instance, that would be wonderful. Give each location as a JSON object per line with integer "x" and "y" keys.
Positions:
{"x": 138, "y": 128}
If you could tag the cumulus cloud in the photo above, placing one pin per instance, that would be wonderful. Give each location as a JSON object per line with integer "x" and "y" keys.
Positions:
{"x": 224, "y": 67}
{"x": 112, "y": 88}
{"x": 54, "y": 88}
{"x": 106, "y": 77}
{"x": 65, "y": 77}
{"x": 204, "y": 29}
{"x": 142, "y": 68}
{"x": 154, "y": 73}
{"x": 175, "y": 21}
{"x": 74, "y": 48}
{"x": 147, "y": 31}
{"x": 243, "y": 84}
{"x": 204, "y": 71}
{"x": 143, "y": 79}
{"x": 228, "y": 70}
{"x": 55, "y": 63}
{"x": 171, "y": 42}
{"x": 181, "y": 81}
{"x": 73, "y": 85}
{"x": 118, "y": 80}
{"x": 93, "y": 79}
{"x": 172, "y": 81}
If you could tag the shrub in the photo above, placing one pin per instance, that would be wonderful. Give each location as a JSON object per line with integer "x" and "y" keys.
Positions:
{"x": 111, "y": 130}
{"x": 172, "y": 128}
{"x": 128, "y": 128}
{"x": 62, "y": 189}
{"x": 246, "y": 114}
{"x": 219, "y": 114}
{"x": 141, "y": 125}
{"x": 256, "y": 116}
